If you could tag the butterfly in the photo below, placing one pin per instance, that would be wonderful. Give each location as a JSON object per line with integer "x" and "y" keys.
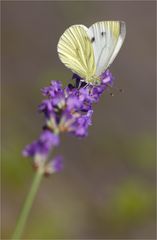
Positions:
{"x": 88, "y": 52}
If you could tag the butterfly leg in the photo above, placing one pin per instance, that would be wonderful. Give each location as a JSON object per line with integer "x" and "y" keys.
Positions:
{"x": 87, "y": 84}
{"x": 80, "y": 83}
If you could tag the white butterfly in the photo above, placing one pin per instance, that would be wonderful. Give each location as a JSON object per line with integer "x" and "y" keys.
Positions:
{"x": 88, "y": 52}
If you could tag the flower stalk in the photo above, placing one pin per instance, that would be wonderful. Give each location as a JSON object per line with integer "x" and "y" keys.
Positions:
{"x": 28, "y": 204}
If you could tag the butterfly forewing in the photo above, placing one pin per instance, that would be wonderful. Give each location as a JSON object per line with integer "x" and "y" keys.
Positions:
{"x": 76, "y": 51}
{"x": 107, "y": 38}
{"x": 121, "y": 37}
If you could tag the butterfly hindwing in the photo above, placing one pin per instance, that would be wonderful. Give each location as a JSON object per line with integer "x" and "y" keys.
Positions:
{"x": 76, "y": 51}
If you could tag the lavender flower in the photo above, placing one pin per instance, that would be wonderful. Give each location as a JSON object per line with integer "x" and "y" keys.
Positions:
{"x": 66, "y": 109}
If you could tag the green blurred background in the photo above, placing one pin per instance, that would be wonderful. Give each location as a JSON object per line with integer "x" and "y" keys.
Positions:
{"x": 107, "y": 188}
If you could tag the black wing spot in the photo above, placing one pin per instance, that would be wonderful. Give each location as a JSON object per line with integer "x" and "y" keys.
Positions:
{"x": 102, "y": 33}
{"x": 92, "y": 39}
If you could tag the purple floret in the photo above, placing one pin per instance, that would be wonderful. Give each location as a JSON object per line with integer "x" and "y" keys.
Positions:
{"x": 54, "y": 88}
{"x": 107, "y": 78}
{"x": 42, "y": 146}
{"x": 54, "y": 165}
{"x": 57, "y": 163}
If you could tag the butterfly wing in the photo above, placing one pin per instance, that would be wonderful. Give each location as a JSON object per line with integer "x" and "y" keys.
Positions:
{"x": 76, "y": 51}
{"x": 107, "y": 38}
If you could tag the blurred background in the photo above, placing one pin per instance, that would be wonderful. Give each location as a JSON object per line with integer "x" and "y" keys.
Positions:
{"x": 107, "y": 188}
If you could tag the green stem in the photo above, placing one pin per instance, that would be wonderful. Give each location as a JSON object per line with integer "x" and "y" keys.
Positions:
{"x": 27, "y": 206}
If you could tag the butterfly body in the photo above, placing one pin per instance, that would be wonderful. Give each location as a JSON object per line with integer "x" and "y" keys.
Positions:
{"x": 88, "y": 52}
